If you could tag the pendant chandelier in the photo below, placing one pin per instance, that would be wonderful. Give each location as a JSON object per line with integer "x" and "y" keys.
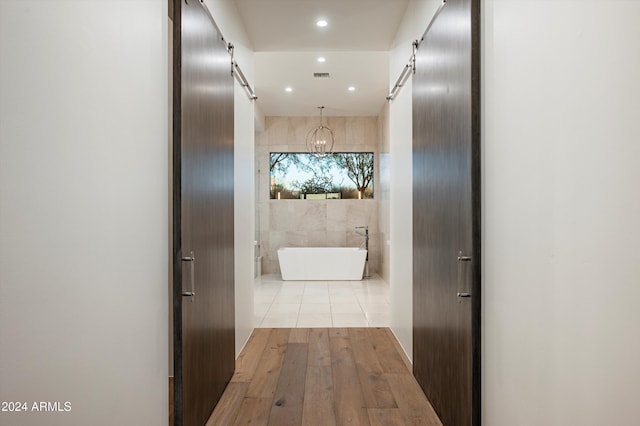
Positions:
{"x": 320, "y": 139}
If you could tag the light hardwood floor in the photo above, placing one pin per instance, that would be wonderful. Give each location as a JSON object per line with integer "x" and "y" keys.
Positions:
{"x": 323, "y": 376}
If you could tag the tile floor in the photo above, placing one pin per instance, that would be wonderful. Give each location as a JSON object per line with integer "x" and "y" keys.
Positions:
{"x": 308, "y": 304}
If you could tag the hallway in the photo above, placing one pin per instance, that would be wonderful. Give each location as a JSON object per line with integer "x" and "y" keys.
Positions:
{"x": 323, "y": 376}
{"x": 85, "y": 130}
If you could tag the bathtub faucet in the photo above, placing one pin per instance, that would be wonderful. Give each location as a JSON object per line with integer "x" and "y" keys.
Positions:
{"x": 365, "y": 235}
{"x": 366, "y": 246}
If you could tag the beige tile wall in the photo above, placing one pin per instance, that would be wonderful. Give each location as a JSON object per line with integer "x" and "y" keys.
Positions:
{"x": 315, "y": 223}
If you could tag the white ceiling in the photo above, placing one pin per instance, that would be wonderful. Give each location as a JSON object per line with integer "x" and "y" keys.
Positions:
{"x": 287, "y": 43}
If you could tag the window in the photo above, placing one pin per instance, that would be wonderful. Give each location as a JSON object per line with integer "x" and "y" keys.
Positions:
{"x": 340, "y": 175}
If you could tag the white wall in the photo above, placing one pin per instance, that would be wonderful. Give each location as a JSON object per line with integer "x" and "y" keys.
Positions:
{"x": 83, "y": 210}
{"x": 228, "y": 20}
{"x": 417, "y": 17}
{"x": 244, "y": 216}
{"x": 561, "y": 265}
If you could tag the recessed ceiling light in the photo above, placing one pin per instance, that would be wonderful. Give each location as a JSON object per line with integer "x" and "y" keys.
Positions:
{"x": 351, "y": 88}
{"x": 321, "y": 59}
{"x": 322, "y": 23}
{"x": 288, "y": 89}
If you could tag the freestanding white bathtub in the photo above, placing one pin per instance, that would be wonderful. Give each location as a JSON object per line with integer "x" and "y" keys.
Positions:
{"x": 322, "y": 263}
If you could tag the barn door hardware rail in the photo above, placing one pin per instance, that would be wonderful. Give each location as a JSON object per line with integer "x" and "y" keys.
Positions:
{"x": 236, "y": 71}
{"x": 410, "y": 67}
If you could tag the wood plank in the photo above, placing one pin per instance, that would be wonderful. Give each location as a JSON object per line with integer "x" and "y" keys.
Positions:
{"x": 253, "y": 411}
{"x": 413, "y": 404}
{"x": 299, "y": 335}
{"x": 358, "y": 333}
{"x": 399, "y": 348}
{"x": 247, "y": 361}
{"x": 267, "y": 373}
{"x": 338, "y": 332}
{"x": 286, "y": 409}
{"x": 349, "y": 402}
{"x": 318, "y": 396}
{"x": 385, "y": 417}
{"x": 319, "y": 354}
{"x": 228, "y": 407}
{"x": 375, "y": 389}
{"x": 388, "y": 356}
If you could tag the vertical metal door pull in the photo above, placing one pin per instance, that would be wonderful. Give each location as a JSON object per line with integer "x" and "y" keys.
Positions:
{"x": 192, "y": 260}
{"x": 461, "y": 259}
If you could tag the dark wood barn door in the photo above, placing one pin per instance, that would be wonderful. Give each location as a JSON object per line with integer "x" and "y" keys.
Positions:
{"x": 446, "y": 213}
{"x": 204, "y": 351}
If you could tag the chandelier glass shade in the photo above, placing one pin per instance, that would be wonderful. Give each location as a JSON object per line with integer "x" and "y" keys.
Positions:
{"x": 320, "y": 139}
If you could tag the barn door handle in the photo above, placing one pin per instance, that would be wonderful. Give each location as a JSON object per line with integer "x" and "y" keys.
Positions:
{"x": 192, "y": 260}
{"x": 462, "y": 258}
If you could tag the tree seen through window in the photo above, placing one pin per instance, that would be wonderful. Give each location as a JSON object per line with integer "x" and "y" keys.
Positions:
{"x": 341, "y": 175}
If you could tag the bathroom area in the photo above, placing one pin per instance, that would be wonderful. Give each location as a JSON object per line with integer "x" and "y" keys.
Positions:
{"x": 332, "y": 243}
